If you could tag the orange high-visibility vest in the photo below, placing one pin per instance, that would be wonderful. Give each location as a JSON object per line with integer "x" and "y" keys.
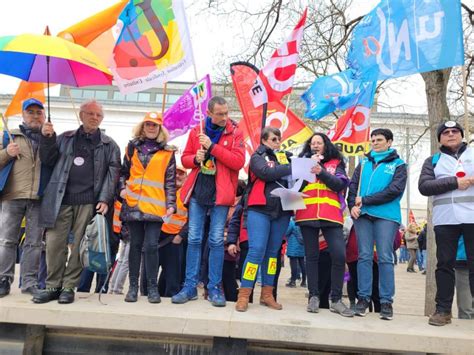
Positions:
{"x": 178, "y": 220}
{"x": 146, "y": 187}
{"x": 116, "y": 222}
{"x": 322, "y": 202}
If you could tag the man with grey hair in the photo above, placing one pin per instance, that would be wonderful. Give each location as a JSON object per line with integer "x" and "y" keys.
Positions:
{"x": 86, "y": 166}
{"x": 22, "y": 181}
{"x": 215, "y": 154}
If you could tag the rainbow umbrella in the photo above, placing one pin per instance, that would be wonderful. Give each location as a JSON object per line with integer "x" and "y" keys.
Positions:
{"x": 47, "y": 59}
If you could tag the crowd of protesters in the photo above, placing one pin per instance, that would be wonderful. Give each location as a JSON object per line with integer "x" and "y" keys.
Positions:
{"x": 194, "y": 219}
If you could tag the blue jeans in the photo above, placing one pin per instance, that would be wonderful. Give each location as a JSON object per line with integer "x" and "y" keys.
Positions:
{"x": 197, "y": 217}
{"x": 382, "y": 232}
{"x": 265, "y": 237}
{"x": 419, "y": 259}
{"x": 424, "y": 255}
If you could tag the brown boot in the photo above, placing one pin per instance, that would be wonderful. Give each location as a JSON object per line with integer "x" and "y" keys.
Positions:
{"x": 440, "y": 318}
{"x": 266, "y": 298}
{"x": 243, "y": 299}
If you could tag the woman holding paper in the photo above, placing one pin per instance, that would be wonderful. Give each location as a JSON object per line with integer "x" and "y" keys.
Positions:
{"x": 266, "y": 221}
{"x": 148, "y": 188}
{"x": 324, "y": 212}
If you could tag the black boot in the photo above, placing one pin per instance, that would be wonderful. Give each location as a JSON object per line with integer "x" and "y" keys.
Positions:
{"x": 153, "y": 295}
{"x": 132, "y": 293}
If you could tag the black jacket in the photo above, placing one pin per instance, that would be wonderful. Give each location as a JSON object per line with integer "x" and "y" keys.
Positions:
{"x": 58, "y": 153}
{"x": 393, "y": 190}
{"x": 422, "y": 239}
{"x": 428, "y": 184}
{"x": 272, "y": 176}
{"x": 133, "y": 213}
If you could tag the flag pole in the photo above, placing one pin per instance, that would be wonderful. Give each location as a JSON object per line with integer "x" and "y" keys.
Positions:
{"x": 466, "y": 115}
{"x": 163, "y": 103}
{"x": 68, "y": 89}
{"x": 287, "y": 103}
{"x": 10, "y": 137}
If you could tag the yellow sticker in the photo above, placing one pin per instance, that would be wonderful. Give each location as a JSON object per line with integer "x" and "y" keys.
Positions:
{"x": 272, "y": 266}
{"x": 281, "y": 157}
{"x": 250, "y": 272}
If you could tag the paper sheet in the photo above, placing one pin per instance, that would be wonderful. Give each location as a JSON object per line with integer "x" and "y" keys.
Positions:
{"x": 301, "y": 169}
{"x": 291, "y": 199}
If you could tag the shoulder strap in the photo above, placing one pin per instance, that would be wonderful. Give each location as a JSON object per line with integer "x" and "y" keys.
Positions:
{"x": 130, "y": 150}
{"x": 435, "y": 159}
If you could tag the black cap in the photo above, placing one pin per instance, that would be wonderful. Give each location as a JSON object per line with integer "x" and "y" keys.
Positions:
{"x": 449, "y": 124}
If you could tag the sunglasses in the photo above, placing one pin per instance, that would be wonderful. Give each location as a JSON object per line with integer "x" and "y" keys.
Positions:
{"x": 275, "y": 139}
{"x": 447, "y": 132}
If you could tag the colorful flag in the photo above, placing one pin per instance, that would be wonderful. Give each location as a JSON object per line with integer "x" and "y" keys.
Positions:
{"x": 404, "y": 37}
{"x": 294, "y": 131}
{"x": 350, "y": 133}
{"x": 185, "y": 114}
{"x": 25, "y": 91}
{"x": 411, "y": 217}
{"x": 275, "y": 80}
{"x": 337, "y": 92}
{"x": 154, "y": 45}
{"x": 97, "y": 32}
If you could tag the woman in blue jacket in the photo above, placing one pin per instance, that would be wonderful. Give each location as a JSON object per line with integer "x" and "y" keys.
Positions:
{"x": 375, "y": 192}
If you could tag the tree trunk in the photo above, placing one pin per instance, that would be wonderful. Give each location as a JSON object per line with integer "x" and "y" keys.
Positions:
{"x": 436, "y": 83}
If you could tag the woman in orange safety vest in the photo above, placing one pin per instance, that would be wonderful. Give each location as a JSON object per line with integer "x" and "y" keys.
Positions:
{"x": 324, "y": 212}
{"x": 148, "y": 189}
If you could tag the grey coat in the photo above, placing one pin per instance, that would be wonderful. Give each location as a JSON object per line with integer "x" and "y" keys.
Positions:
{"x": 59, "y": 154}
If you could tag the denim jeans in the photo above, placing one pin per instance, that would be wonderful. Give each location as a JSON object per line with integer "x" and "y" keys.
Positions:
{"x": 419, "y": 259}
{"x": 265, "y": 237}
{"x": 424, "y": 256}
{"x": 11, "y": 215}
{"x": 382, "y": 232}
{"x": 197, "y": 216}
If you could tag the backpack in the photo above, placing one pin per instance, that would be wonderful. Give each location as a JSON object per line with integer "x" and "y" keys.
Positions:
{"x": 95, "y": 249}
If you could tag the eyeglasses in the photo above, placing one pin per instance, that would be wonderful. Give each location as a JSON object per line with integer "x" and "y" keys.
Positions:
{"x": 151, "y": 124}
{"x": 447, "y": 132}
{"x": 96, "y": 114}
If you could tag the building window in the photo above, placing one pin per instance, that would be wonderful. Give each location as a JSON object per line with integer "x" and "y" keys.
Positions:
{"x": 101, "y": 95}
{"x": 172, "y": 98}
{"x": 144, "y": 97}
{"x": 76, "y": 93}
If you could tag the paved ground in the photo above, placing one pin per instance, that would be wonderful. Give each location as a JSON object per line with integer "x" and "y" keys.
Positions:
{"x": 409, "y": 297}
{"x": 409, "y": 294}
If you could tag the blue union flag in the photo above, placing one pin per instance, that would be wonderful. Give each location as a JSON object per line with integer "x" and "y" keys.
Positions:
{"x": 405, "y": 37}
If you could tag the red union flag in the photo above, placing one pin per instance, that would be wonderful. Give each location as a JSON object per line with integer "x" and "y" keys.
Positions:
{"x": 350, "y": 133}
{"x": 275, "y": 80}
{"x": 294, "y": 131}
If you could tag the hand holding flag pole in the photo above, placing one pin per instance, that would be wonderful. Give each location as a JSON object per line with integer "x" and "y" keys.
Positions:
{"x": 10, "y": 137}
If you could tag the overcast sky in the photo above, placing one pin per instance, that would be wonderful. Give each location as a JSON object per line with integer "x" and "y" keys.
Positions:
{"x": 208, "y": 36}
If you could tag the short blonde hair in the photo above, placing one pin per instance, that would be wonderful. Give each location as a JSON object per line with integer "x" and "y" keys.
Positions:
{"x": 412, "y": 228}
{"x": 163, "y": 135}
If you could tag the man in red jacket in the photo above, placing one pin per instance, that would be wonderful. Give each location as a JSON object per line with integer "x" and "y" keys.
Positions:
{"x": 215, "y": 153}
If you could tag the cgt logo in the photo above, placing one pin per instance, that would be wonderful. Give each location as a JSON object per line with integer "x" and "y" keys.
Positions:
{"x": 358, "y": 122}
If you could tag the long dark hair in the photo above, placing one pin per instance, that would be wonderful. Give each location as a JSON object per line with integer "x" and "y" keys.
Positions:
{"x": 330, "y": 150}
